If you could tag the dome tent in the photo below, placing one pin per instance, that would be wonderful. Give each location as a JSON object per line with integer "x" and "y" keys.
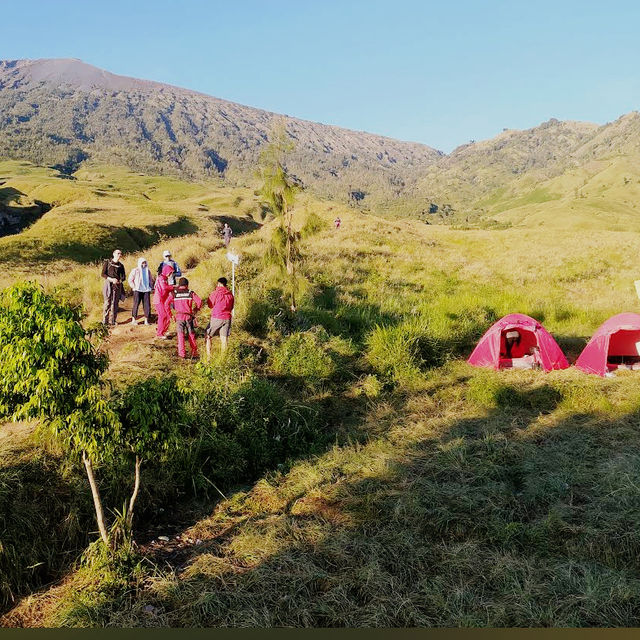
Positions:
{"x": 488, "y": 350}
{"x": 616, "y": 340}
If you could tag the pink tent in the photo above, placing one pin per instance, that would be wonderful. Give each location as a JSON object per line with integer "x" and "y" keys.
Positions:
{"x": 533, "y": 337}
{"x": 616, "y": 342}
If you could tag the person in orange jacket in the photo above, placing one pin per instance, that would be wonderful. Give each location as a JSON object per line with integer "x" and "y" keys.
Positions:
{"x": 185, "y": 303}
{"x": 161, "y": 292}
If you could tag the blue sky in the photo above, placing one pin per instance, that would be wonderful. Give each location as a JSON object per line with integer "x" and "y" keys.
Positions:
{"x": 434, "y": 72}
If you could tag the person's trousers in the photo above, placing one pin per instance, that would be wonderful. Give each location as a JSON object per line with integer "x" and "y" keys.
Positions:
{"x": 111, "y": 295}
{"x": 186, "y": 326}
{"x": 164, "y": 319}
{"x": 145, "y": 298}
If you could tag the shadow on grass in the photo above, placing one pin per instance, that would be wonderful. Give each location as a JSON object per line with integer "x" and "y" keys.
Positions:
{"x": 485, "y": 522}
{"x": 43, "y": 516}
{"x": 14, "y": 219}
{"x": 571, "y": 346}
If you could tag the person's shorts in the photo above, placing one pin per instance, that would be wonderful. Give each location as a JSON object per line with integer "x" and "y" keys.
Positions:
{"x": 219, "y": 326}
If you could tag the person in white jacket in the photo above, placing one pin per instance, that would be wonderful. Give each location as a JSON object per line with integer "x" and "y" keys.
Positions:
{"x": 141, "y": 282}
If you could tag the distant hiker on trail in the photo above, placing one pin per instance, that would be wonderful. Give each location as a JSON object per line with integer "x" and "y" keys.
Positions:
{"x": 176, "y": 269}
{"x": 227, "y": 232}
{"x": 221, "y": 303}
{"x": 160, "y": 294}
{"x": 141, "y": 282}
{"x": 114, "y": 275}
{"x": 337, "y": 222}
{"x": 185, "y": 303}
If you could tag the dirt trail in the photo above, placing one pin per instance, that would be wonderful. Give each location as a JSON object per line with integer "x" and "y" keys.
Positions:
{"x": 125, "y": 332}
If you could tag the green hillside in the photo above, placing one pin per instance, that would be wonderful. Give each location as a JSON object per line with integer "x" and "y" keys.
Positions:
{"x": 601, "y": 195}
{"x": 64, "y": 112}
{"x": 101, "y": 207}
{"x": 394, "y": 485}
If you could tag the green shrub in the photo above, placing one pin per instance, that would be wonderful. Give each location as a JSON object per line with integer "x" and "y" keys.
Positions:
{"x": 370, "y": 386}
{"x": 403, "y": 352}
{"x": 237, "y": 425}
{"x": 312, "y": 225}
{"x": 304, "y": 355}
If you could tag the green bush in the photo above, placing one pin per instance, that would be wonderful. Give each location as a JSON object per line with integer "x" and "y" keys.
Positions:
{"x": 312, "y": 225}
{"x": 304, "y": 355}
{"x": 403, "y": 352}
{"x": 238, "y": 425}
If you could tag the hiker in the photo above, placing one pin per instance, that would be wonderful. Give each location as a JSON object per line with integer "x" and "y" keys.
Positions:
{"x": 160, "y": 294}
{"x": 227, "y": 232}
{"x": 186, "y": 303}
{"x": 221, "y": 303}
{"x": 176, "y": 269}
{"x": 337, "y": 222}
{"x": 141, "y": 282}
{"x": 114, "y": 275}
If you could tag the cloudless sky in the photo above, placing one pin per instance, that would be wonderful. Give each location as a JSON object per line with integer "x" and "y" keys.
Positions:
{"x": 436, "y": 72}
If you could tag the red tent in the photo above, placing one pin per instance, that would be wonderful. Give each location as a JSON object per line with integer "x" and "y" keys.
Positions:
{"x": 615, "y": 343}
{"x": 534, "y": 338}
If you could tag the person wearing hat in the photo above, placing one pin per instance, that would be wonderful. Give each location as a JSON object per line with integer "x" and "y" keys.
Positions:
{"x": 166, "y": 254}
{"x": 515, "y": 347}
{"x": 112, "y": 290}
{"x": 511, "y": 340}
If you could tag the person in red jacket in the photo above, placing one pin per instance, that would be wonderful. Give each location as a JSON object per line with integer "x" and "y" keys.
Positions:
{"x": 221, "y": 304}
{"x": 185, "y": 303}
{"x": 161, "y": 292}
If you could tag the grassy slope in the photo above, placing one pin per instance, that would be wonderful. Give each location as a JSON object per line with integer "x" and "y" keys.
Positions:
{"x": 105, "y": 207}
{"x": 462, "y": 496}
{"x": 601, "y": 194}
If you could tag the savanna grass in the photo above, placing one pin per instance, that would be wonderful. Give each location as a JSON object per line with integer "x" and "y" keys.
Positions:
{"x": 453, "y": 496}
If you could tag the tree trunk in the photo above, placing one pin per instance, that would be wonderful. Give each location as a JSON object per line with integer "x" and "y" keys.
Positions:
{"x": 134, "y": 495}
{"x": 291, "y": 267}
{"x": 289, "y": 243}
{"x": 97, "y": 502}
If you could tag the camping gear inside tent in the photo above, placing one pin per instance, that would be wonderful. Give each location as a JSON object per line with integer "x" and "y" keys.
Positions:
{"x": 615, "y": 345}
{"x": 533, "y": 347}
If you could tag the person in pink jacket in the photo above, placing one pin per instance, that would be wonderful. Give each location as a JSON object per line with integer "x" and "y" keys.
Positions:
{"x": 185, "y": 303}
{"x": 221, "y": 304}
{"x": 160, "y": 294}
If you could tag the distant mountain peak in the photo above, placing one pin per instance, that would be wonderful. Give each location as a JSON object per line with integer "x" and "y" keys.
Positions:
{"x": 68, "y": 71}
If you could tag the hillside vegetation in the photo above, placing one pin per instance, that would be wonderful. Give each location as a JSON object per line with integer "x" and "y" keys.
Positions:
{"x": 66, "y": 113}
{"x": 99, "y": 208}
{"x": 61, "y": 112}
{"x": 392, "y": 484}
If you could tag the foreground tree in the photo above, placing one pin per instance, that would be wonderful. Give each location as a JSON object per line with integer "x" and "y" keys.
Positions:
{"x": 150, "y": 416}
{"x": 279, "y": 191}
{"x": 51, "y": 370}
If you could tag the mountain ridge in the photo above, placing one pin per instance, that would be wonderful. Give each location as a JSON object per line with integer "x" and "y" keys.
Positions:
{"x": 52, "y": 106}
{"x": 61, "y": 112}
